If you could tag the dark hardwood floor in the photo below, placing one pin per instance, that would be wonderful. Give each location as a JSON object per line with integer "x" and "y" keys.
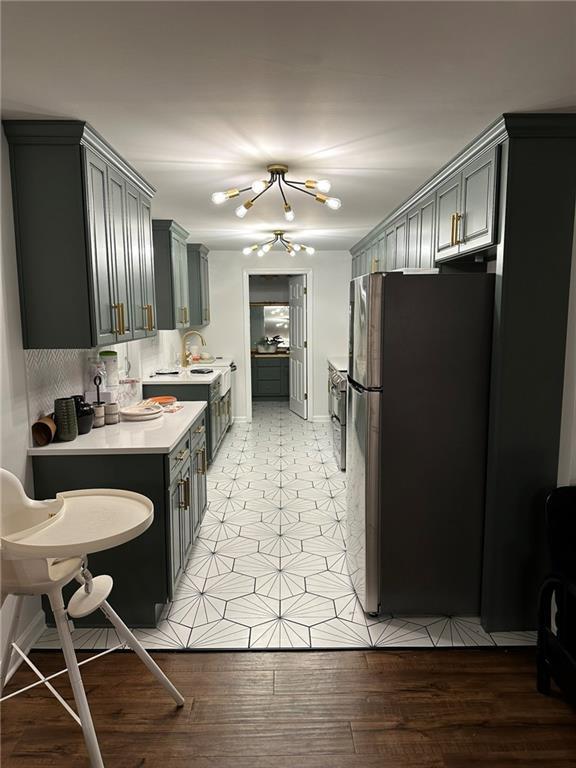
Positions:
{"x": 457, "y": 708}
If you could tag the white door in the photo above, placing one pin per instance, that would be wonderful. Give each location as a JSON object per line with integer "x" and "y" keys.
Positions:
{"x": 298, "y": 346}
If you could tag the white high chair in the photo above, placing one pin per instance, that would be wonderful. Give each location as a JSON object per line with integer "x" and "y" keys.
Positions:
{"x": 43, "y": 546}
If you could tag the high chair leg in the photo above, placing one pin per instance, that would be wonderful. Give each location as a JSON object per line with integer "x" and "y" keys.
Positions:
{"x": 90, "y": 738}
{"x": 125, "y": 634}
{"x": 11, "y": 637}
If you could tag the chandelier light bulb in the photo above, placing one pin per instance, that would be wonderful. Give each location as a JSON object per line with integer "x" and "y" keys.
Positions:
{"x": 219, "y": 197}
{"x": 288, "y": 212}
{"x": 259, "y": 186}
{"x": 309, "y": 250}
{"x": 296, "y": 246}
{"x": 334, "y": 203}
{"x": 266, "y": 247}
{"x": 323, "y": 185}
{"x": 247, "y": 251}
{"x": 260, "y": 253}
{"x": 243, "y": 209}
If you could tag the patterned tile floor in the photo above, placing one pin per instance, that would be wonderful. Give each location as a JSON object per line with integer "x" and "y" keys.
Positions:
{"x": 269, "y": 567}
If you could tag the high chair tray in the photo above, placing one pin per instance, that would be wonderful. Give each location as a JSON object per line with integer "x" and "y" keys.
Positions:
{"x": 87, "y": 521}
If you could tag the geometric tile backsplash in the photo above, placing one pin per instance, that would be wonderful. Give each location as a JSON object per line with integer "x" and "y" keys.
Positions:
{"x": 53, "y": 373}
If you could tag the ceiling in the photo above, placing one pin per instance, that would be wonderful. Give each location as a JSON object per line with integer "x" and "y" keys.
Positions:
{"x": 201, "y": 96}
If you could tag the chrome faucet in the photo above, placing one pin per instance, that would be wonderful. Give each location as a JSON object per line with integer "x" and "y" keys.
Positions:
{"x": 184, "y": 350}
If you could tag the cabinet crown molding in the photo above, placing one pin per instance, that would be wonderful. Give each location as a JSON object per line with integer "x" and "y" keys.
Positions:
{"x": 73, "y": 132}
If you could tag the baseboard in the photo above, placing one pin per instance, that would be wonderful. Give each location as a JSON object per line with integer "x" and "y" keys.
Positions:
{"x": 26, "y": 640}
{"x": 239, "y": 420}
{"x": 320, "y": 419}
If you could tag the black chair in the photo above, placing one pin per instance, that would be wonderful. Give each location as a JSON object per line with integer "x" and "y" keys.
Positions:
{"x": 556, "y": 657}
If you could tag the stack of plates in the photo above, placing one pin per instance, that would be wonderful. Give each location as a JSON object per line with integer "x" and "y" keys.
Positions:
{"x": 143, "y": 411}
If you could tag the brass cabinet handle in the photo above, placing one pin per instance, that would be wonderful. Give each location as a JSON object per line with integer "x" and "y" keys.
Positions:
{"x": 187, "y": 493}
{"x": 201, "y": 428}
{"x": 116, "y": 308}
{"x": 453, "y": 219}
{"x": 149, "y": 317}
{"x": 185, "y": 315}
{"x": 202, "y": 470}
{"x": 457, "y": 219}
{"x": 181, "y": 504}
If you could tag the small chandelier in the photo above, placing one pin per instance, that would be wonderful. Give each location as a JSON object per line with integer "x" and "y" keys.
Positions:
{"x": 279, "y": 237}
{"x": 278, "y": 177}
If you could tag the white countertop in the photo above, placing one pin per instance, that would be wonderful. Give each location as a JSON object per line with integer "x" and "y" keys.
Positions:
{"x": 156, "y": 436}
{"x": 185, "y": 377}
{"x": 340, "y": 363}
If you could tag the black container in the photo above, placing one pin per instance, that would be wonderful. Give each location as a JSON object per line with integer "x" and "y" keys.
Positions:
{"x": 84, "y": 414}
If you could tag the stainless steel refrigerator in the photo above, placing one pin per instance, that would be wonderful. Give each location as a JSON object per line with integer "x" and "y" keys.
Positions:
{"x": 418, "y": 383}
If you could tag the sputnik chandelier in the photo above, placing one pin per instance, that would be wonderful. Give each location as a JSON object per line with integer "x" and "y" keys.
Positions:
{"x": 278, "y": 177}
{"x": 279, "y": 237}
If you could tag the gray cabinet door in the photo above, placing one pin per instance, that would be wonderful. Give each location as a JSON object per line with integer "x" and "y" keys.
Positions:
{"x": 175, "y": 539}
{"x": 136, "y": 257}
{"x": 426, "y": 245}
{"x": 119, "y": 254}
{"x": 400, "y": 240}
{"x": 101, "y": 262}
{"x": 447, "y": 207}
{"x": 476, "y": 225}
{"x": 390, "y": 249}
{"x": 199, "y": 495}
{"x": 205, "y": 288}
{"x": 180, "y": 278}
{"x": 186, "y": 509}
{"x": 147, "y": 257}
{"x": 413, "y": 239}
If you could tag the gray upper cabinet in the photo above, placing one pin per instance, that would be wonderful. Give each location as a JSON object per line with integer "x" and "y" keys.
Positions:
{"x": 119, "y": 260}
{"x": 198, "y": 284}
{"x": 477, "y": 224}
{"x": 101, "y": 261}
{"x": 78, "y": 252}
{"x": 400, "y": 243}
{"x": 420, "y": 234}
{"x": 466, "y": 209}
{"x": 413, "y": 238}
{"x": 171, "y": 270}
{"x": 426, "y": 233}
{"x": 447, "y": 205}
{"x": 453, "y": 214}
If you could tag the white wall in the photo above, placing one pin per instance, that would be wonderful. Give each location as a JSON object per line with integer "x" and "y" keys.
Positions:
{"x": 567, "y": 462}
{"x": 328, "y": 305}
{"x": 14, "y": 411}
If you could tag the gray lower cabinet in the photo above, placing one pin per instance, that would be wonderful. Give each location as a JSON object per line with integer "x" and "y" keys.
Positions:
{"x": 171, "y": 269}
{"x": 198, "y": 284}
{"x": 270, "y": 378}
{"x": 147, "y": 569}
{"x": 218, "y": 413}
{"x": 466, "y": 208}
{"x": 81, "y": 237}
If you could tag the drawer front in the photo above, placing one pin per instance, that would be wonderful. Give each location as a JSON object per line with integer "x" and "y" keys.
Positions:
{"x": 179, "y": 456}
{"x": 270, "y": 373}
{"x": 198, "y": 433}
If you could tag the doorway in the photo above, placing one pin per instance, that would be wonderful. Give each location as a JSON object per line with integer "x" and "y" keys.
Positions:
{"x": 277, "y": 338}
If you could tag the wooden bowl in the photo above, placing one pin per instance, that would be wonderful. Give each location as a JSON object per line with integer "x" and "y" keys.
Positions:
{"x": 43, "y": 431}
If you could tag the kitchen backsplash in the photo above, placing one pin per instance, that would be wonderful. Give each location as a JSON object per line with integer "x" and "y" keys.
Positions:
{"x": 53, "y": 373}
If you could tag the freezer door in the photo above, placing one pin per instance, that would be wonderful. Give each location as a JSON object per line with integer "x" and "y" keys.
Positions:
{"x": 363, "y": 496}
{"x": 365, "y": 339}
